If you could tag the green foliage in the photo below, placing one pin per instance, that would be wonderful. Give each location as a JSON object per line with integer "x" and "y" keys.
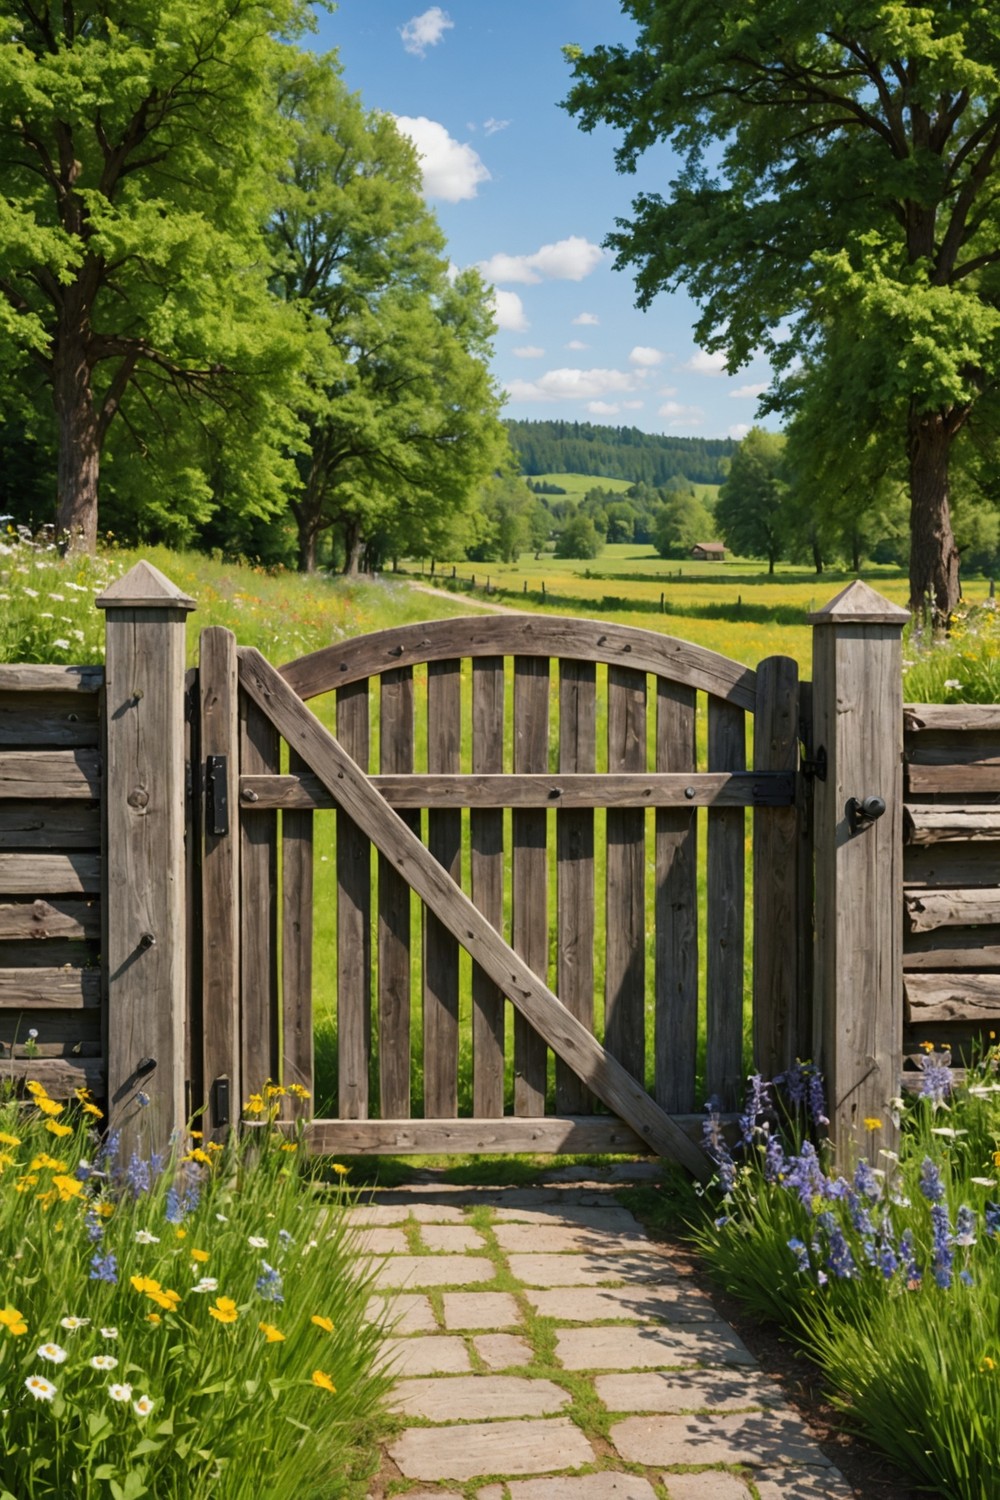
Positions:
{"x": 680, "y": 522}
{"x": 158, "y": 1333}
{"x": 508, "y": 520}
{"x": 579, "y": 538}
{"x": 750, "y": 509}
{"x": 617, "y": 452}
{"x": 890, "y": 1279}
{"x": 962, "y": 666}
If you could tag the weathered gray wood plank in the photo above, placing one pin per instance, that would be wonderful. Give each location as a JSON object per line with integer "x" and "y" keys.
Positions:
{"x": 953, "y": 948}
{"x": 486, "y": 839}
{"x": 950, "y": 864}
{"x": 952, "y": 997}
{"x": 603, "y": 1075}
{"x": 444, "y": 839}
{"x": 529, "y": 874}
{"x": 297, "y": 956}
{"x": 977, "y": 777}
{"x": 543, "y": 1134}
{"x": 354, "y": 919}
{"x": 48, "y": 719}
{"x": 543, "y": 636}
{"x": 725, "y": 914}
{"x": 394, "y": 936}
{"x": 625, "y": 891}
{"x": 46, "y": 677}
{"x": 44, "y": 774}
{"x": 259, "y": 1055}
{"x": 55, "y": 874}
{"x": 575, "y": 870}
{"x": 930, "y": 823}
{"x": 951, "y": 717}
{"x": 65, "y": 1032}
{"x": 676, "y": 910}
{"x": 60, "y": 1076}
{"x": 926, "y": 910}
{"x": 778, "y": 1030}
{"x": 49, "y": 825}
{"x": 45, "y": 989}
{"x": 54, "y": 918}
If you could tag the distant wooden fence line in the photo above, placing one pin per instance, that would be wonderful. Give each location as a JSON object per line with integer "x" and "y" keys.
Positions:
{"x": 157, "y": 872}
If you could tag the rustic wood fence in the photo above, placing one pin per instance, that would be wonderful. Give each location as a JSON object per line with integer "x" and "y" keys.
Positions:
{"x": 562, "y": 784}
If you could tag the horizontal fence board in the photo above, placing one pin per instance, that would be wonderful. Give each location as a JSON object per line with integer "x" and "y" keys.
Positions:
{"x": 522, "y": 635}
{"x": 55, "y": 874}
{"x": 578, "y": 790}
{"x": 50, "y": 825}
{"x": 44, "y": 677}
{"x": 61, "y": 1033}
{"x": 53, "y": 953}
{"x": 952, "y": 997}
{"x": 943, "y": 749}
{"x": 930, "y": 823}
{"x": 953, "y": 948}
{"x": 551, "y": 1133}
{"x": 46, "y": 719}
{"x": 49, "y": 919}
{"x": 59, "y": 1076}
{"x": 960, "y": 717}
{"x": 44, "y": 774}
{"x": 976, "y": 777}
{"x": 63, "y": 989}
{"x": 972, "y": 907}
{"x": 949, "y": 865}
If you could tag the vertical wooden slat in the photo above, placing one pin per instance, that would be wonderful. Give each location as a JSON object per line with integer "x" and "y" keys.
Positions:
{"x": 776, "y": 981}
{"x": 444, "y": 838}
{"x": 676, "y": 1021}
{"x": 260, "y": 754}
{"x": 220, "y": 885}
{"x": 486, "y": 836}
{"x": 725, "y": 917}
{"x": 195, "y": 1091}
{"x": 297, "y": 952}
{"x": 354, "y": 920}
{"x": 395, "y": 755}
{"x": 575, "y": 870}
{"x": 530, "y": 926}
{"x": 625, "y": 930}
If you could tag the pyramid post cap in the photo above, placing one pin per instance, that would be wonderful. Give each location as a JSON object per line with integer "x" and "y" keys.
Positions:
{"x": 144, "y": 587}
{"x": 859, "y": 604}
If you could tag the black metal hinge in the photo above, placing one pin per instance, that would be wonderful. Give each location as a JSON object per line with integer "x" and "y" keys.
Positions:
{"x": 216, "y": 794}
{"x": 816, "y": 766}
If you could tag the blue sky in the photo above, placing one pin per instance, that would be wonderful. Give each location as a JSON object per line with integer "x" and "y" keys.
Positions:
{"x": 523, "y": 193}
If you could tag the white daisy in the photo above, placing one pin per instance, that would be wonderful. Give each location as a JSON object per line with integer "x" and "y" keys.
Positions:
{"x": 206, "y": 1284}
{"x": 109, "y": 1333}
{"x": 104, "y": 1362}
{"x": 74, "y": 1323}
{"x": 51, "y": 1352}
{"x": 40, "y": 1388}
{"x": 120, "y": 1392}
{"x": 143, "y": 1406}
{"x": 143, "y": 1237}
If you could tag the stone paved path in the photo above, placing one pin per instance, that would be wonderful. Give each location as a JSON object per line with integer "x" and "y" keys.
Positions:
{"x": 547, "y": 1350}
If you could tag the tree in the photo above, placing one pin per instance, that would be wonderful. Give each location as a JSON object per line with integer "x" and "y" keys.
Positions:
{"x": 401, "y": 413}
{"x": 506, "y": 520}
{"x": 840, "y": 173}
{"x": 749, "y": 510}
{"x": 579, "y": 538}
{"x": 681, "y": 521}
{"x": 134, "y": 140}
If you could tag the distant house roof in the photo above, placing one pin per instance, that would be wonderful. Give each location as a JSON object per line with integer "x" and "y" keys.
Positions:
{"x": 708, "y": 549}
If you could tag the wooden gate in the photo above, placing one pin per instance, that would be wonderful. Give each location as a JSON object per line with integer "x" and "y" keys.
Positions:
{"x": 525, "y": 761}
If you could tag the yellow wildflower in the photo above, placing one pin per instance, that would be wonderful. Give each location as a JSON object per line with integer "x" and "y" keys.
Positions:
{"x": 224, "y": 1310}
{"x": 298, "y": 1091}
{"x": 987, "y": 1364}
{"x": 25, "y": 1183}
{"x": 51, "y": 1162}
{"x": 213, "y": 1146}
{"x": 145, "y": 1283}
{"x": 9, "y": 1140}
{"x": 927, "y": 1046}
{"x": 54, "y": 1128}
{"x": 166, "y": 1299}
{"x": 6, "y": 1160}
{"x": 272, "y": 1334}
{"x": 254, "y": 1105}
{"x": 872, "y": 1124}
{"x": 47, "y": 1198}
{"x": 12, "y": 1320}
{"x": 320, "y": 1378}
{"x": 36, "y": 1090}
{"x": 195, "y": 1135}
{"x": 48, "y": 1106}
{"x": 181, "y": 1232}
{"x": 153, "y": 1318}
{"x": 325, "y": 1323}
{"x": 289, "y": 1146}
{"x": 104, "y": 1209}
{"x": 92, "y": 1109}
{"x": 67, "y": 1187}
{"x": 274, "y": 1091}
{"x": 198, "y": 1155}
{"x": 201, "y": 1255}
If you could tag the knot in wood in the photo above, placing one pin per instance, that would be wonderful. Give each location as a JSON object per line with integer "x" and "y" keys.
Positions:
{"x": 138, "y": 797}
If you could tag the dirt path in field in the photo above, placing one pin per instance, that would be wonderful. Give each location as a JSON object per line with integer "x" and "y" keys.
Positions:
{"x": 496, "y": 609}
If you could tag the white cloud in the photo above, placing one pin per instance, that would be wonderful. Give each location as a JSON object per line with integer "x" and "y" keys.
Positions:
{"x": 645, "y": 356}
{"x": 749, "y": 390}
{"x": 524, "y": 351}
{"x": 510, "y": 312}
{"x": 426, "y": 30}
{"x": 451, "y": 170}
{"x": 586, "y": 319}
{"x": 676, "y": 415}
{"x": 491, "y": 126}
{"x": 633, "y": 405}
{"x": 738, "y": 430}
{"x": 567, "y": 260}
{"x": 577, "y": 344}
{"x": 603, "y": 408}
{"x": 703, "y": 363}
{"x": 572, "y": 385}
{"x": 667, "y": 390}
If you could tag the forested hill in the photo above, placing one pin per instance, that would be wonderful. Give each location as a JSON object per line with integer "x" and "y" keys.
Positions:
{"x": 618, "y": 452}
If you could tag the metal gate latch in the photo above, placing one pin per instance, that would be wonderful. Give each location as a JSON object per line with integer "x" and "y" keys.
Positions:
{"x": 217, "y": 793}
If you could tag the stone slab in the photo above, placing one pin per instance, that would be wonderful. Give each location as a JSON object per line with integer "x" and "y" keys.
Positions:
{"x": 515, "y": 1447}
{"x": 480, "y": 1310}
{"x": 655, "y": 1390}
{"x": 376, "y": 1213}
{"x": 649, "y": 1348}
{"x": 554, "y": 1238}
{"x": 432, "y": 1270}
{"x": 423, "y": 1211}
{"x": 681, "y": 1303}
{"x": 406, "y": 1312}
{"x": 377, "y": 1241}
{"x": 604, "y": 1486}
{"x": 440, "y": 1354}
{"x": 453, "y": 1238}
{"x": 591, "y": 1270}
{"x": 498, "y": 1351}
{"x": 611, "y": 1217}
{"x": 478, "y": 1398}
{"x": 802, "y": 1484}
{"x": 758, "y": 1441}
{"x": 710, "y": 1484}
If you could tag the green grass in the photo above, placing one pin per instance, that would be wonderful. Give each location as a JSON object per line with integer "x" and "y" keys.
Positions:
{"x": 578, "y": 485}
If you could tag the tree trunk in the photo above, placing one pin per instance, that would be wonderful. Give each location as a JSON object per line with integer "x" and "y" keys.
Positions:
{"x": 79, "y": 452}
{"x": 817, "y": 557}
{"x": 308, "y": 540}
{"x": 933, "y": 554}
{"x": 353, "y": 543}
{"x": 856, "y": 552}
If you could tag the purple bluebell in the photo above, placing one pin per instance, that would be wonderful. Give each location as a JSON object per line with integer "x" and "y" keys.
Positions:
{"x": 991, "y": 1214}
{"x": 908, "y": 1260}
{"x": 269, "y": 1284}
{"x": 95, "y": 1226}
{"x": 138, "y": 1178}
{"x": 888, "y": 1261}
{"x": 717, "y": 1149}
{"x": 965, "y": 1226}
{"x": 801, "y": 1254}
{"x": 865, "y": 1181}
{"x": 935, "y": 1082}
{"x": 805, "y": 1176}
{"x": 793, "y": 1082}
{"x": 183, "y": 1195}
{"x": 840, "y": 1260}
{"x": 104, "y": 1268}
{"x": 941, "y": 1242}
{"x": 930, "y": 1181}
{"x": 756, "y": 1104}
{"x": 775, "y": 1164}
{"x": 817, "y": 1098}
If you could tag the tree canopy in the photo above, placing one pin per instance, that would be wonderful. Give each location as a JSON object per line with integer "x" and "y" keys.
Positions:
{"x": 838, "y": 188}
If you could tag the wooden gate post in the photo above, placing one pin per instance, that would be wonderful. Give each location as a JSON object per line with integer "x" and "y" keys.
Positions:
{"x": 144, "y": 875}
{"x": 858, "y": 725}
